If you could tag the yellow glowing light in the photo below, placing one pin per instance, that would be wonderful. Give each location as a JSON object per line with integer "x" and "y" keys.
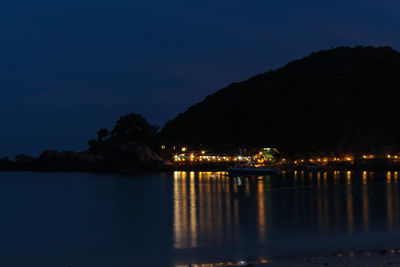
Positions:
{"x": 389, "y": 156}
{"x": 162, "y": 147}
{"x": 184, "y": 149}
{"x": 203, "y": 152}
{"x": 348, "y": 175}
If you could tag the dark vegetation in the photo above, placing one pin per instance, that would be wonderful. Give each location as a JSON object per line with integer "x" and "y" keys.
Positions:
{"x": 128, "y": 147}
{"x": 129, "y": 129}
{"x": 343, "y": 100}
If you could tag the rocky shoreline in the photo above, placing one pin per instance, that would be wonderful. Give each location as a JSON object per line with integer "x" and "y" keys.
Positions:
{"x": 139, "y": 157}
{"x": 373, "y": 258}
{"x": 120, "y": 159}
{"x": 144, "y": 161}
{"x": 385, "y": 257}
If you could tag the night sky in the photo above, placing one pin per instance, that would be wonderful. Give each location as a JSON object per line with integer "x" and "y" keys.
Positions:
{"x": 70, "y": 67}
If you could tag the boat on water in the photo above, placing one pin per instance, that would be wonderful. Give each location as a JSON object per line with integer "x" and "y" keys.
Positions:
{"x": 252, "y": 170}
{"x": 262, "y": 163}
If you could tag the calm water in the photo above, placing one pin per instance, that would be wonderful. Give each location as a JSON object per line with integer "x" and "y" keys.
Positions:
{"x": 172, "y": 219}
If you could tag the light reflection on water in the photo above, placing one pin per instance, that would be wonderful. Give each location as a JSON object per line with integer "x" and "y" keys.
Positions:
{"x": 212, "y": 209}
{"x": 203, "y": 208}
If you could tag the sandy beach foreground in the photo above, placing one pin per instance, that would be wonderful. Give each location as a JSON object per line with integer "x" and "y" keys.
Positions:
{"x": 386, "y": 257}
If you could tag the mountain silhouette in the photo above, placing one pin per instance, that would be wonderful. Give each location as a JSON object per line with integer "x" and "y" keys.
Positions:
{"x": 342, "y": 100}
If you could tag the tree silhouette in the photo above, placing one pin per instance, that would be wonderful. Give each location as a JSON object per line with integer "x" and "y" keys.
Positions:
{"x": 129, "y": 129}
{"x": 101, "y": 134}
{"x": 133, "y": 128}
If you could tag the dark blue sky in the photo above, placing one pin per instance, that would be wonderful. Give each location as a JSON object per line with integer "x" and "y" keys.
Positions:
{"x": 69, "y": 67}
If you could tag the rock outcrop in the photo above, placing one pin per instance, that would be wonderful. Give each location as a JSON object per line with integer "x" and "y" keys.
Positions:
{"x": 116, "y": 158}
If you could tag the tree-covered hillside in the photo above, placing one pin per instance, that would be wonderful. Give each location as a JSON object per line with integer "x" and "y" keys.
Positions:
{"x": 339, "y": 100}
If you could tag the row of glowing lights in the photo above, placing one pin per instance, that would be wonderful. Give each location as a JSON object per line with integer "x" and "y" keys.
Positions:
{"x": 222, "y": 173}
{"x": 211, "y": 158}
{"x": 321, "y": 160}
{"x": 347, "y": 158}
{"x": 240, "y": 158}
{"x": 373, "y": 156}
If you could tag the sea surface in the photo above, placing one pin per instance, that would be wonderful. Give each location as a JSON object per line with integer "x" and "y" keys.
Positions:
{"x": 181, "y": 218}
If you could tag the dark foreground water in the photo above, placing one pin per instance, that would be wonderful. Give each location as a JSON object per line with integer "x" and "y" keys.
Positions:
{"x": 173, "y": 219}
